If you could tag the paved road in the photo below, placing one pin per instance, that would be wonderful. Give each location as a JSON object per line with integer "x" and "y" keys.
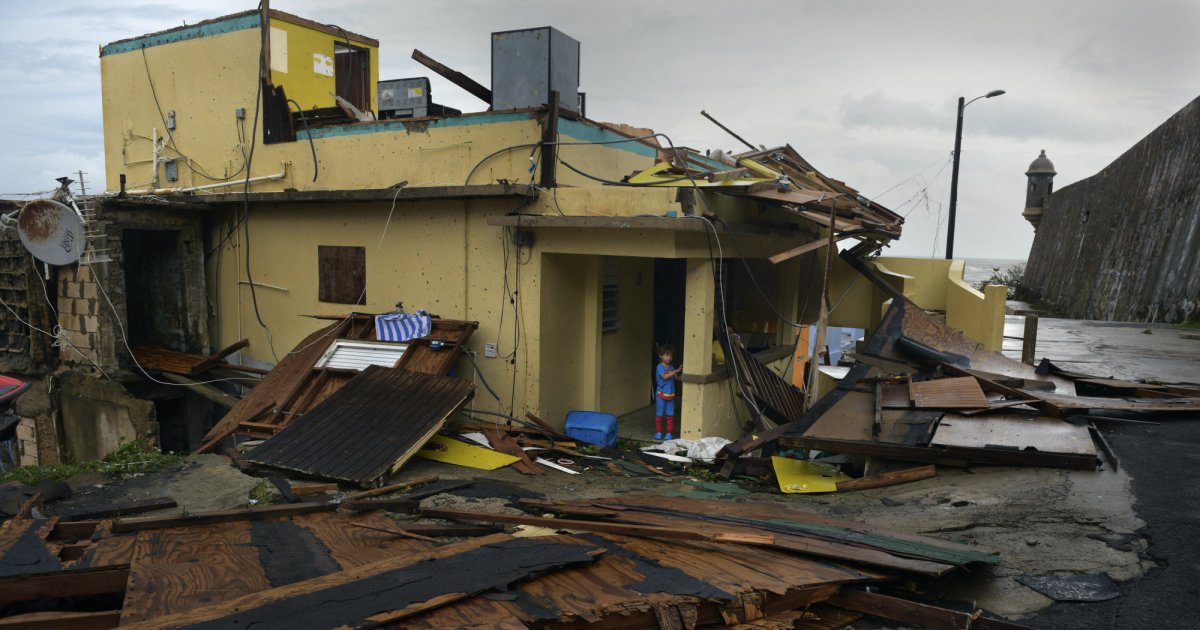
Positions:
{"x": 1164, "y": 462}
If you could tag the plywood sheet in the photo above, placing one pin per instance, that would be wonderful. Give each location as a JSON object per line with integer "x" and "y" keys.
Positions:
{"x": 1014, "y": 431}
{"x": 948, "y": 393}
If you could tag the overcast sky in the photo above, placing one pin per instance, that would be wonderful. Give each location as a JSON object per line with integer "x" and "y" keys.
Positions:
{"x": 865, "y": 90}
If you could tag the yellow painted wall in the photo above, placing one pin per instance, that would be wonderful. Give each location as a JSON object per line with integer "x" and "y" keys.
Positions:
{"x": 931, "y": 279}
{"x": 626, "y": 356}
{"x": 300, "y": 81}
{"x": 203, "y": 80}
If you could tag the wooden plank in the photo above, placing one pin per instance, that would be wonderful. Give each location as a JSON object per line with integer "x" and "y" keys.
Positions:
{"x": 118, "y": 509}
{"x": 404, "y": 585}
{"x": 396, "y": 504}
{"x": 888, "y": 479}
{"x": 219, "y": 516}
{"x": 184, "y": 568}
{"x": 504, "y": 443}
{"x": 63, "y": 620}
{"x": 71, "y": 583}
{"x": 922, "y": 615}
{"x": 396, "y": 487}
{"x": 229, "y": 401}
{"x": 624, "y": 529}
{"x": 289, "y": 375}
{"x": 352, "y": 546}
{"x": 1020, "y": 432}
{"x": 948, "y": 393}
{"x": 314, "y": 488}
{"x": 454, "y": 76}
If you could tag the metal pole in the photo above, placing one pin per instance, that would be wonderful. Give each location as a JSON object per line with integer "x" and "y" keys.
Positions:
{"x": 954, "y": 181}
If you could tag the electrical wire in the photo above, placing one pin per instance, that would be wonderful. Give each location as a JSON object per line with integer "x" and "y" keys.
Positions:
{"x": 59, "y": 335}
{"x": 535, "y": 145}
{"x": 311, "y": 144}
{"x": 246, "y": 191}
{"x": 374, "y": 259}
{"x": 197, "y": 169}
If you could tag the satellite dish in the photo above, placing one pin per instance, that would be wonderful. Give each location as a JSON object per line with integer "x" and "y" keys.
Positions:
{"x": 51, "y": 231}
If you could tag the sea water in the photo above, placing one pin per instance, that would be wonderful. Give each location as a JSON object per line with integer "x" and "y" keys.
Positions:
{"x": 979, "y": 269}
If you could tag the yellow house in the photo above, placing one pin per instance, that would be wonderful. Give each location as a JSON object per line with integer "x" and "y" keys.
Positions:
{"x": 248, "y": 155}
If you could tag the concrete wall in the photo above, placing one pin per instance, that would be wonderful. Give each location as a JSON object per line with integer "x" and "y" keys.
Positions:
{"x": 98, "y": 414}
{"x": 1124, "y": 244}
{"x": 206, "y": 78}
{"x": 626, "y": 364}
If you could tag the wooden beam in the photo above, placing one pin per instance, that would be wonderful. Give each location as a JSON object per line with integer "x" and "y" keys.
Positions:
{"x": 63, "y": 620}
{"x": 204, "y": 389}
{"x": 889, "y": 478}
{"x": 549, "y": 159}
{"x": 398, "y": 504}
{"x": 374, "y": 492}
{"x": 454, "y": 76}
{"x": 219, "y": 516}
{"x": 117, "y": 509}
{"x": 72, "y": 583}
{"x": 922, "y": 615}
{"x": 215, "y": 358}
{"x": 623, "y": 529}
{"x": 797, "y": 251}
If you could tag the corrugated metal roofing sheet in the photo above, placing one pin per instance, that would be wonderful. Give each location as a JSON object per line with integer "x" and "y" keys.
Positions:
{"x": 369, "y": 427}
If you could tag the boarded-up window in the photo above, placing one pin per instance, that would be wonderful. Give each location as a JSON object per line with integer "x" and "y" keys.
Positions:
{"x": 611, "y": 314}
{"x": 342, "y": 274}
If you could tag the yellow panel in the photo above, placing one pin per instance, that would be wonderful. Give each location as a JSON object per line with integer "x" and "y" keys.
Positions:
{"x": 798, "y": 476}
{"x": 452, "y": 451}
{"x": 301, "y": 81}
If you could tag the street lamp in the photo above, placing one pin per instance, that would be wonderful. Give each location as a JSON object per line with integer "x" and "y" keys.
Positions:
{"x": 954, "y": 171}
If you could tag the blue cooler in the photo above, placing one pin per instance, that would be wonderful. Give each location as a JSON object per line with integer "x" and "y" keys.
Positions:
{"x": 592, "y": 427}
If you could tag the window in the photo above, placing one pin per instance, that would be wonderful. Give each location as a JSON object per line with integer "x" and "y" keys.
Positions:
{"x": 1032, "y": 187}
{"x": 342, "y": 274}
{"x": 610, "y": 320}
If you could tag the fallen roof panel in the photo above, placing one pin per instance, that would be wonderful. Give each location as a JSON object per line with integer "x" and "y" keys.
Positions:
{"x": 370, "y": 426}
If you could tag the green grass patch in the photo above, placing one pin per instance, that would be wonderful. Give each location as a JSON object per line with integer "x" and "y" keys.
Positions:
{"x": 131, "y": 457}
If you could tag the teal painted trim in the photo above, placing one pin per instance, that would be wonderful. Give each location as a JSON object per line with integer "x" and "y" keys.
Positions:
{"x": 588, "y": 133}
{"x": 709, "y": 162}
{"x": 207, "y": 29}
{"x": 397, "y": 125}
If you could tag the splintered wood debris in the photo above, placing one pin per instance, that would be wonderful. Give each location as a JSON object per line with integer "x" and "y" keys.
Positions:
{"x": 647, "y": 561}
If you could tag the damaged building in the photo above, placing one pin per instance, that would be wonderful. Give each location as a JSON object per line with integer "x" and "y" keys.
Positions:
{"x": 263, "y": 183}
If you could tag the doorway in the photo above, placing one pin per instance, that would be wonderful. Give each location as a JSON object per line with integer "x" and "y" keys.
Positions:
{"x": 670, "y": 295}
{"x": 154, "y": 304}
{"x": 352, "y": 74}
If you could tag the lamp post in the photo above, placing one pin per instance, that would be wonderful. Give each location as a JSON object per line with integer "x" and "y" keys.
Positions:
{"x": 954, "y": 171}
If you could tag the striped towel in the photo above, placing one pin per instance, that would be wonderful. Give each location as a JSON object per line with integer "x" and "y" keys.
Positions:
{"x": 402, "y": 326}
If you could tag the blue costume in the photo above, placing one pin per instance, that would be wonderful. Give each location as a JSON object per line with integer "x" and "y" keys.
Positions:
{"x": 664, "y": 392}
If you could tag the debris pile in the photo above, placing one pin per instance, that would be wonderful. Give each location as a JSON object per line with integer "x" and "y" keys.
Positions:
{"x": 634, "y": 561}
{"x": 924, "y": 392}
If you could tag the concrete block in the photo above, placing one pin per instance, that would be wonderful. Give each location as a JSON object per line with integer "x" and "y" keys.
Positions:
{"x": 70, "y": 322}
{"x": 66, "y": 305}
{"x": 71, "y": 289}
{"x": 91, "y": 324}
{"x": 34, "y": 402}
{"x": 29, "y": 459}
{"x": 85, "y": 307}
{"x": 26, "y": 431}
{"x": 89, "y": 291}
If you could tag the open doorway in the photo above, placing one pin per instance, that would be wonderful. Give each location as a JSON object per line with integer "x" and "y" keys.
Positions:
{"x": 154, "y": 292}
{"x": 352, "y": 74}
